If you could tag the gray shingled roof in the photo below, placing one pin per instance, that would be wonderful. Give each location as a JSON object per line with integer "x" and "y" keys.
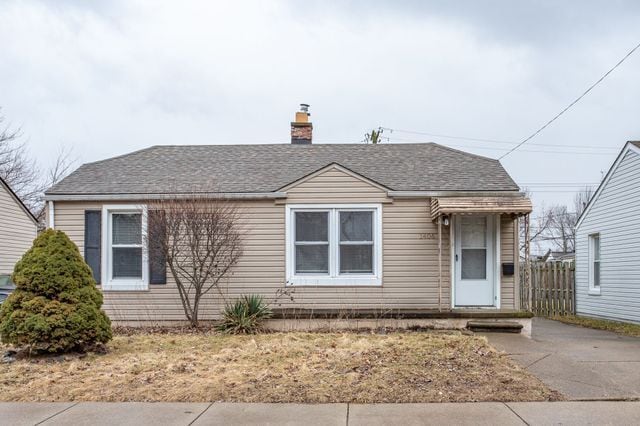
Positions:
{"x": 267, "y": 168}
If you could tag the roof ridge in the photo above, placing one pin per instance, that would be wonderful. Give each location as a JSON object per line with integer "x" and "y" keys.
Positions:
{"x": 149, "y": 148}
{"x": 459, "y": 151}
{"x": 279, "y": 144}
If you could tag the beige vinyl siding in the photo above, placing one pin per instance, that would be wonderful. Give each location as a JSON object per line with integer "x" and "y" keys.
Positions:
{"x": 17, "y": 231}
{"x": 410, "y": 256}
{"x": 335, "y": 185}
{"x": 507, "y": 250}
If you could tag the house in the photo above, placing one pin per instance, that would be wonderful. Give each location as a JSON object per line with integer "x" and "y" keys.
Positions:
{"x": 18, "y": 228}
{"x": 436, "y": 227}
{"x": 556, "y": 256}
{"x": 608, "y": 244}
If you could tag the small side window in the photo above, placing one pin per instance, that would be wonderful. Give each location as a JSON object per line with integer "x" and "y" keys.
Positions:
{"x": 594, "y": 263}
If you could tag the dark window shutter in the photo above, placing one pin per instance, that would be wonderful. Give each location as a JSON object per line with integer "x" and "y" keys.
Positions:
{"x": 92, "y": 241}
{"x": 157, "y": 262}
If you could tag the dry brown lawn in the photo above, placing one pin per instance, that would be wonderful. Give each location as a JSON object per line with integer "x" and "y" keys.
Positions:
{"x": 283, "y": 367}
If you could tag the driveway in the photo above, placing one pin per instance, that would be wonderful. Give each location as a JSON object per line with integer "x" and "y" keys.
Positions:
{"x": 579, "y": 362}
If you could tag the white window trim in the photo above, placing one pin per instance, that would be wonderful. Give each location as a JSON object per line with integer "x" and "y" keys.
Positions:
{"x": 334, "y": 279}
{"x": 120, "y": 284}
{"x": 593, "y": 290}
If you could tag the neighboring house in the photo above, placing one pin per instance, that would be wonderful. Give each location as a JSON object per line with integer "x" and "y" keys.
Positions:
{"x": 608, "y": 244}
{"x": 18, "y": 228}
{"x": 556, "y": 256}
{"x": 405, "y": 227}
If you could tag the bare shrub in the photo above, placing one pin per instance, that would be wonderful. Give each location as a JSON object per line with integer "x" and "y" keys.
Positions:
{"x": 200, "y": 240}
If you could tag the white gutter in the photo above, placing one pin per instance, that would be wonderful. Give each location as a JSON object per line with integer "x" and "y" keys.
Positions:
{"x": 52, "y": 215}
{"x": 423, "y": 194}
{"x": 137, "y": 197}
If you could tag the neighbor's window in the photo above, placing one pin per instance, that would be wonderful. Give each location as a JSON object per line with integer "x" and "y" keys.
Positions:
{"x": 126, "y": 264}
{"x": 594, "y": 262}
{"x": 334, "y": 245}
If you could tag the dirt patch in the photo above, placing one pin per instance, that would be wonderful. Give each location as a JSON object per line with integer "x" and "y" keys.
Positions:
{"x": 626, "y": 329}
{"x": 280, "y": 367}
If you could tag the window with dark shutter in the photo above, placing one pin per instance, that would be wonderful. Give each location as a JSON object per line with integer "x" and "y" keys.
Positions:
{"x": 157, "y": 262}
{"x": 92, "y": 241}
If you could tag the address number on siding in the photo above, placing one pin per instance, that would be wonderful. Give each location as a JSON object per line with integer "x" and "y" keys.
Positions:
{"x": 427, "y": 236}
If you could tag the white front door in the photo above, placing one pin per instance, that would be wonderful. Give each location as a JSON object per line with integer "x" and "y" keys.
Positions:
{"x": 474, "y": 261}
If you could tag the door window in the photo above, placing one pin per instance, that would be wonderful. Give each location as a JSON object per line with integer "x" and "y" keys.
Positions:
{"x": 473, "y": 248}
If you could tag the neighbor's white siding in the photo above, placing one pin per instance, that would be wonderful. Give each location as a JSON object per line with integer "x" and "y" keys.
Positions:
{"x": 615, "y": 215}
{"x": 17, "y": 231}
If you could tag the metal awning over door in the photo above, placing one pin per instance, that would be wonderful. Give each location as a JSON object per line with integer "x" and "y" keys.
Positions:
{"x": 479, "y": 205}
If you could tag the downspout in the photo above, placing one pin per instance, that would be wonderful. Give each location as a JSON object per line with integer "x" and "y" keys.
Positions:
{"x": 52, "y": 223}
{"x": 440, "y": 263}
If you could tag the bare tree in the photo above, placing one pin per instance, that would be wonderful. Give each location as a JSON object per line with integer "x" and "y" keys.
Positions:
{"x": 200, "y": 241}
{"x": 539, "y": 225}
{"x": 581, "y": 199}
{"x": 22, "y": 173}
{"x": 562, "y": 232}
{"x": 553, "y": 228}
{"x": 17, "y": 169}
{"x": 60, "y": 168}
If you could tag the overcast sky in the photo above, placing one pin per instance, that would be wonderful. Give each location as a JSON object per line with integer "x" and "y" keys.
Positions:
{"x": 106, "y": 78}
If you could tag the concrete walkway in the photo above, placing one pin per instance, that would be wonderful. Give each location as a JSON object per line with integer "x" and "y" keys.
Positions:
{"x": 579, "y": 362}
{"x": 156, "y": 414}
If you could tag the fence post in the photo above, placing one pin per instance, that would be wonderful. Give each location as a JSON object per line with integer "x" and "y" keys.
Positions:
{"x": 573, "y": 288}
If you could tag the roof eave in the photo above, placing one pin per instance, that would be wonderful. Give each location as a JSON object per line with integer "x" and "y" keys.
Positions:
{"x": 160, "y": 196}
{"x": 425, "y": 194}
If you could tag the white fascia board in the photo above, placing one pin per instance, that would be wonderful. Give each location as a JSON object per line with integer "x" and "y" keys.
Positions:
{"x": 139, "y": 197}
{"x": 423, "y": 194}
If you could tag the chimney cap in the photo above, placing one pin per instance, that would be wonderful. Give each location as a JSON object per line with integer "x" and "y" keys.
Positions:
{"x": 304, "y": 107}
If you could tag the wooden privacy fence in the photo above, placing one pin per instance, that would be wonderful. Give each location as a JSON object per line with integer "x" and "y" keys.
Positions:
{"x": 550, "y": 289}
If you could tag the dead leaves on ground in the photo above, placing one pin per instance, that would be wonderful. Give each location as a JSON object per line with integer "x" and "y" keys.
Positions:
{"x": 280, "y": 367}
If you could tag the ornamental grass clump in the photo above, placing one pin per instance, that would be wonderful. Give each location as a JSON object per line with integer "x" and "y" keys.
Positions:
{"x": 56, "y": 305}
{"x": 245, "y": 315}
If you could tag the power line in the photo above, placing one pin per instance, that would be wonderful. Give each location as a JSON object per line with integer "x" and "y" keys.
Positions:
{"x": 446, "y": 136}
{"x": 492, "y": 148}
{"x": 559, "y": 183}
{"x": 534, "y": 134}
{"x": 491, "y": 140}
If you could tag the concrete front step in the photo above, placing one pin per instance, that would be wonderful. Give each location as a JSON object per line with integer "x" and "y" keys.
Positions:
{"x": 495, "y": 326}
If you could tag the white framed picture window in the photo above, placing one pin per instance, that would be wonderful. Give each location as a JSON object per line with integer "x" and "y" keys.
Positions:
{"x": 334, "y": 244}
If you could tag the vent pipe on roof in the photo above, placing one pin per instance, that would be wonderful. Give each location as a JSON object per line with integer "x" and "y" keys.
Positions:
{"x": 301, "y": 128}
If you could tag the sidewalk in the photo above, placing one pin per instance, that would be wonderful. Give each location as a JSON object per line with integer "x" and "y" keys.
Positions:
{"x": 482, "y": 413}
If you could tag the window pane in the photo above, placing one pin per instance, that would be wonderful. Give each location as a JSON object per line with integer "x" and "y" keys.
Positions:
{"x": 474, "y": 264}
{"x": 127, "y": 228}
{"x": 596, "y": 274}
{"x": 312, "y": 259}
{"x": 127, "y": 262}
{"x": 356, "y": 226}
{"x": 596, "y": 247}
{"x": 474, "y": 232}
{"x": 312, "y": 226}
{"x": 356, "y": 259}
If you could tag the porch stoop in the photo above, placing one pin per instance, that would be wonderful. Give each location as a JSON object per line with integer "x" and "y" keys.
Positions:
{"x": 495, "y": 326}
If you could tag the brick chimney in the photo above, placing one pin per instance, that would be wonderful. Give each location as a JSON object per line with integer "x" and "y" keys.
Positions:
{"x": 301, "y": 129}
